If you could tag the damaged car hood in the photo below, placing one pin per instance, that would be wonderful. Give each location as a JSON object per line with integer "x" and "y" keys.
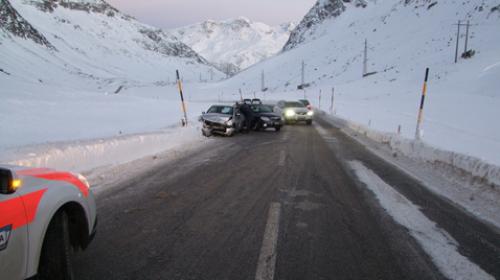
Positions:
{"x": 216, "y": 118}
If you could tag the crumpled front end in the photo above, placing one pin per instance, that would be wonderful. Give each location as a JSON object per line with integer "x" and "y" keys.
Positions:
{"x": 211, "y": 127}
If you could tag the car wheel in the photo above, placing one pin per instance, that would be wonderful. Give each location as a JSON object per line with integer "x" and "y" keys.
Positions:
{"x": 277, "y": 128}
{"x": 57, "y": 252}
{"x": 309, "y": 122}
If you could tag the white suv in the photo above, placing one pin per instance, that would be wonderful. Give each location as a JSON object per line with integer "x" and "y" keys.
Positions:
{"x": 294, "y": 111}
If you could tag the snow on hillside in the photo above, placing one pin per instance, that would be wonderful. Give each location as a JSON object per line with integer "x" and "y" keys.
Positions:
{"x": 66, "y": 68}
{"x": 234, "y": 44}
{"x": 93, "y": 41}
{"x": 404, "y": 37}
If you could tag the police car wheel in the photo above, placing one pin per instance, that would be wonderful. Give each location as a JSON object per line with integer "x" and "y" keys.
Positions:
{"x": 56, "y": 255}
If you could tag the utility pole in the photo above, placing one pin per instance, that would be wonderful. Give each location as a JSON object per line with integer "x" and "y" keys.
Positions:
{"x": 241, "y": 94}
{"x": 458, "y": 39}
{"x": 332, "y": 101}
{"x": 179, "y": 84}
{"x": 319, "y": 101}
{"x": 466, "y": 36}
{"x": 211, "y": 74}
{"x": 421, "y": 108}
{"x": 303, "y": 73}
{"x": 365, "y": 59}
{"x": 262, "y": 82}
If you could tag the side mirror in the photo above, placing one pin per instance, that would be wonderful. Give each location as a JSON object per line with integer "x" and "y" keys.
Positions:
{"x": 9, "y": 182}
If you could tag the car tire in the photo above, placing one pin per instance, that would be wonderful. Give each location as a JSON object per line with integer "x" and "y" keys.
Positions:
{"x": 57, "y": 253}
{"x": 309, "y": 122}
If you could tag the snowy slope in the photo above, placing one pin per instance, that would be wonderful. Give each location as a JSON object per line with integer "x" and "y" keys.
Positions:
{"x": 236, "y": 43}
{"x": 404, "y": 37}
{"x": 93, "y": 41}
{"x": 62, "y": 62}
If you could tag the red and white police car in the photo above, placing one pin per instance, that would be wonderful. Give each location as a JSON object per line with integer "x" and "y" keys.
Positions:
{"x": 45, "y": 217}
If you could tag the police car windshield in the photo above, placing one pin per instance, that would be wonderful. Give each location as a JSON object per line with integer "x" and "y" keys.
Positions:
{"x": 262, "y": 109}
{"x": 226, "y": 110}
{"x": 294, "y": 105}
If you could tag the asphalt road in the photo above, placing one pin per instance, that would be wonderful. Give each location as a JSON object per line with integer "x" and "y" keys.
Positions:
{"x": 271, "y": 205}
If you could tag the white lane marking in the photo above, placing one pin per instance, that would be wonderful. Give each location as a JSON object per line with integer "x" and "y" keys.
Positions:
{"x": 438, "y": 244}
{"x": 267, "y": 257}
{"x": 282, "y": 159}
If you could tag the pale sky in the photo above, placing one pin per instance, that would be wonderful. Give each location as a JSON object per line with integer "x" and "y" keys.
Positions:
{"x": 176, "y": 13}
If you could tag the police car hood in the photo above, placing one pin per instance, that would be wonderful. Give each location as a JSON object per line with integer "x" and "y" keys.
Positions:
{"x": 216, "y": 118}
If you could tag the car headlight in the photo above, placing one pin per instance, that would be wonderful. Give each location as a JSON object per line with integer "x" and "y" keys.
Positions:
{"x": 229, "y": 123}
{"x": 289, "y": 113}
{"x": 310, "y": 113}
{"x": 266, "y": 119}
{"x": 83, "y": 180}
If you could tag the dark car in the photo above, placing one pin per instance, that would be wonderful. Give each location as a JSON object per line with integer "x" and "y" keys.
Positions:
{"x": 266, "y": 118}
{"x": 222, "y": 119}
{"x": 256, "y": 101}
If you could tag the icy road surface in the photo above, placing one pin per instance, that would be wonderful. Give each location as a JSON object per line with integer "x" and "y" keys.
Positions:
{"x": 287, "y": 205}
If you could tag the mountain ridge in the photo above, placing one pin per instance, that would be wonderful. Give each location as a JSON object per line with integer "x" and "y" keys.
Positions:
{"x": 234, "y": 44}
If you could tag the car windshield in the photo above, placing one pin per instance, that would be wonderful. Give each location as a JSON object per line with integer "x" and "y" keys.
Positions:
{"x": 226, "y": 110}
{"x": 305, "y": 102}
{"x": 294, "y": 105}
{"x": 262, "y": 109}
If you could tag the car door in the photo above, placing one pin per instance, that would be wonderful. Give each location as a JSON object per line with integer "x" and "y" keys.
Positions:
{"x": 13, "y": 237}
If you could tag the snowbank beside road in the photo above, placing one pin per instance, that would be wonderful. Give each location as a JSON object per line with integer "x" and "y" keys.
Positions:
{"x": 82, "y": 156}
{"x": 442, "y": 248}
{"x": 420, "y": 151}
{"x": 448, "y": 174}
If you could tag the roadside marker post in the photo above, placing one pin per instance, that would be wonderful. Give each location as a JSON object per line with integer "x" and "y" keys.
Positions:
{"x": 319, "y": 104}
{"x": 179, "y": 84}
{"x": 458, "y": 41}
{"x": 332, "y": 101}
{"x": 421, "y": 109}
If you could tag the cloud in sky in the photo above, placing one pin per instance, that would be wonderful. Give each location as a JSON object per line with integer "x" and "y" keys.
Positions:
{"x": 176, "y": 13}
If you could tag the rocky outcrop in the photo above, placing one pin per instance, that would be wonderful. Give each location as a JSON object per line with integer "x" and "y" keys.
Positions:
{"x": 13, "y": 23}
{"x": 95, "y": 6}
{"x": 322, "y": 10}
{"x": 157, "y": 41}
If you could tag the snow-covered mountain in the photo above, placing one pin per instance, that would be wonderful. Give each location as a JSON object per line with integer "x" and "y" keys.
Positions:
{"x": 234, "y": 44}
{"x": 404, "y": 38}
{"x": 77, "y": 69}
{"x": 88, "y": 42}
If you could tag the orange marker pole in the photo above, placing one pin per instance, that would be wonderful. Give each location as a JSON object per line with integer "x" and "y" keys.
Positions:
{"x": 179, "y": 84}
{"x": 421, "y": 109}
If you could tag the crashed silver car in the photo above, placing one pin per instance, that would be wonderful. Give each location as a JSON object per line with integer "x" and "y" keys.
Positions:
{"x": 222, "y": 120}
